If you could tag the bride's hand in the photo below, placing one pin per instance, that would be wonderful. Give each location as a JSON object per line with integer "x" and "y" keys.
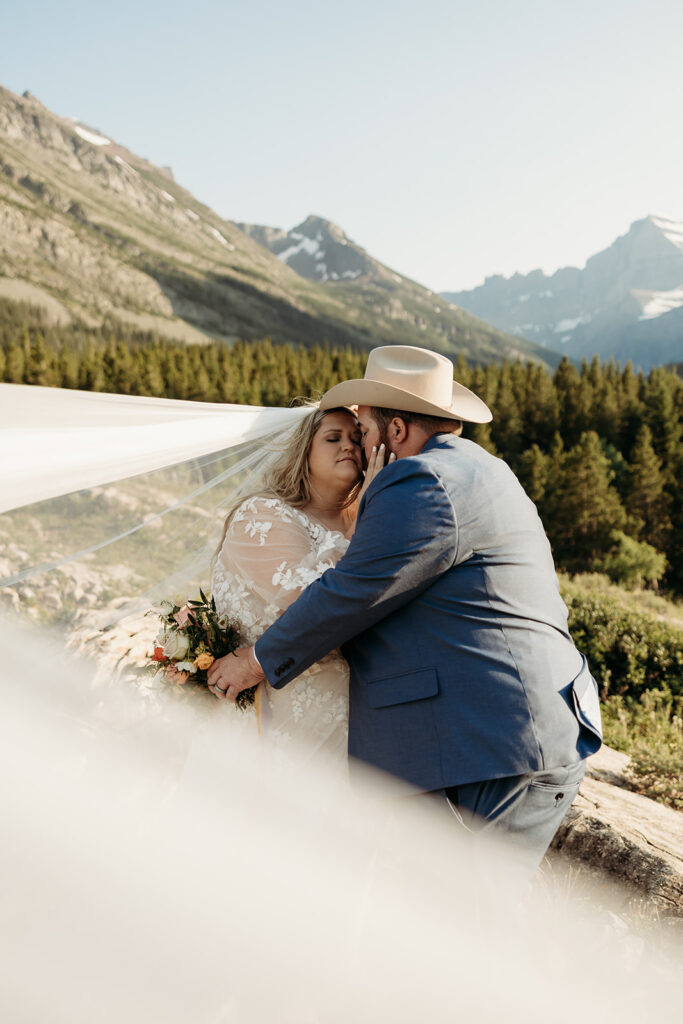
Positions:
{"x": 376, "y": 463}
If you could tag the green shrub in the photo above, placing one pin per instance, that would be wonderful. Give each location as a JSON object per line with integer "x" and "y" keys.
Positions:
{"x": 632, "y": 562}
{"x": 628, "y": 652}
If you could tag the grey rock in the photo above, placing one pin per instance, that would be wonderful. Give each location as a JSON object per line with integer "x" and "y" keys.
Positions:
{"x": 625, "y": 836}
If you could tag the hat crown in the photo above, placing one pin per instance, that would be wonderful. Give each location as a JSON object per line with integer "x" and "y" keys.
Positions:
{"x": 411, "y": 379}
{"x": 427, "y": 375}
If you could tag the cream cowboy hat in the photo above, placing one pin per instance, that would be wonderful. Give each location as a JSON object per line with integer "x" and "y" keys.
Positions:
{"x": 411, "y": 379}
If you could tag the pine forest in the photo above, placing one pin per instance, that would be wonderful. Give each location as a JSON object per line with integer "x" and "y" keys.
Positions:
{"x": 597, "y": 448}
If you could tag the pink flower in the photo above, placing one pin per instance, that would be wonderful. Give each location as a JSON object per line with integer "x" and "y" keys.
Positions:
{"x": 182, "y": 616}
{"x": 174, "y": 676}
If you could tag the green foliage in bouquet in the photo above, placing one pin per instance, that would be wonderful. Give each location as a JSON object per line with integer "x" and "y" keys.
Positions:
{"x": 192, "y": 637}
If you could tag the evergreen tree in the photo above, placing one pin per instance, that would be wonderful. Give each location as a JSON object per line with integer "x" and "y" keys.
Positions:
{"x": 39, "y": 361}
{"x": 153, "y": 380}
{"x": 662, "y": 415}
{"x": 14, "y": 364}
{"x": 507, "y": 427}
{"x": 533, "y": 472}
{"x": 581, "y": 507}
{"x": 463, "y": 372}
{"x": 646, "y": 497}
{"x": 674, "y": 549}
{"x": 480, "y": 433}
{"x": 67, "y": 368}
{"x": 605, "y": 412}
{"x": 631, "y": 408}
{"x": 541, "y": 414}
{"x": 90, "y": 370}
{"x": 575, "y": 398}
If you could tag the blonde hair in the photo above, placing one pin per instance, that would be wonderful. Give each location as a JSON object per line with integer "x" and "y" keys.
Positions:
{"x": 289, "y": 477}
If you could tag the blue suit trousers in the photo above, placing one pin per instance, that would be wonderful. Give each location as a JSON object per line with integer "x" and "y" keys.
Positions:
{"x": 524, "y": 811}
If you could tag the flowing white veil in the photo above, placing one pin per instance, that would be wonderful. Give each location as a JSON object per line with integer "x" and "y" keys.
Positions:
{"x": 245, "y": 896}
{"x": 110, "y": 501}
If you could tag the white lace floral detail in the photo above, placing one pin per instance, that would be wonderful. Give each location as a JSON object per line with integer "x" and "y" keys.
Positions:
{"x": 298, "y": 578}
{"x": 259, "y": 530}
{"x": 270, "y": 555}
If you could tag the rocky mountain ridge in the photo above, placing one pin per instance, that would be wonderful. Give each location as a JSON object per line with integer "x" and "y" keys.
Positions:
{"x": 627, "y": 303}
{"x": 92, "y": 232}
{"x": 320, "y": 251}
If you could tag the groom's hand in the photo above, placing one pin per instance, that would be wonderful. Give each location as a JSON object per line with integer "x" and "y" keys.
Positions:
{"x": 378, "y": 459}
{"x": 228, "y": 676}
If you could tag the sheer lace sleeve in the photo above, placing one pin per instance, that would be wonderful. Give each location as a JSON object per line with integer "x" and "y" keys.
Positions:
{"x": 272, "y": 547}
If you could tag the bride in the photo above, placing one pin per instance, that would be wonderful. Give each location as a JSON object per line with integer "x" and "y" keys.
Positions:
{"x": 276, "y": 542}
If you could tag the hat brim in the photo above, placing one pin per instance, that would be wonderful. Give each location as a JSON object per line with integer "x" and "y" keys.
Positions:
{"x": 464, "y": 406}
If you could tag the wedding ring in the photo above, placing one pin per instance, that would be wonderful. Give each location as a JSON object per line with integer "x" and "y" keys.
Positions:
{"x": 219, "y": 689}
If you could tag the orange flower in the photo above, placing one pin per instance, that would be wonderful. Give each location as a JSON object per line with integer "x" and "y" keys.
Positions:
{"x": 204, "y": 661}
{"x": 159, "y": 655}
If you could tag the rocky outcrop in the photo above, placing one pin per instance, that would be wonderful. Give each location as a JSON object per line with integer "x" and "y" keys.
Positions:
{"x": 624, "y": 836}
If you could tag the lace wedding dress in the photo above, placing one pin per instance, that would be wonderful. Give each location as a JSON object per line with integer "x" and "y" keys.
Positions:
{"x": 270, "y": 554}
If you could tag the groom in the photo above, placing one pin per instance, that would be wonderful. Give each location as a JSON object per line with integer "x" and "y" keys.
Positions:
{"x": 464, "y": 679}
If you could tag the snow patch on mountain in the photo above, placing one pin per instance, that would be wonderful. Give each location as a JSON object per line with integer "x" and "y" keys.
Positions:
{"x": 312, "y": 247}
{"x": 303, "y": 244}
{"x": 122, "y": 163}
{"x": 661, "y": 303}
{"x": 671, "y": 229}
{"x": 348, "y": 274}
{"x": 91, "y": 137}
{"x": 571, "y": 323}
{"x": 219, "y": 238}
{"x": 169, "y": 198}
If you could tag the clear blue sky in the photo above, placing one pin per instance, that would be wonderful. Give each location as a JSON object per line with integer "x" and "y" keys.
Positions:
{"x": 451, "y": 138}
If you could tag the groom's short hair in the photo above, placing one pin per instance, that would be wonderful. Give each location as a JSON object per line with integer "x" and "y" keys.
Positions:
{"x": 430, "y": 424}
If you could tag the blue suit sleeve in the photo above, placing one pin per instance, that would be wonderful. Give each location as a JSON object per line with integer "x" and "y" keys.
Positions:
{"x": 406, "y": 536}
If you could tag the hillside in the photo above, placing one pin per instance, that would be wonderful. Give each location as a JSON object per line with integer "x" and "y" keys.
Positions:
{"x": 90, "y": 230}
{"x": 627, "y": 303}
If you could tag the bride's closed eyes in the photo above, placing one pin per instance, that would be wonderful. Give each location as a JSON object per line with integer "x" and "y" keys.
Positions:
{"x": 357, "y": 440}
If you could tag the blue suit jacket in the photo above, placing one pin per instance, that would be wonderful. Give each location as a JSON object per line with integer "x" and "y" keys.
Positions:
{"x": 448, "y": 610}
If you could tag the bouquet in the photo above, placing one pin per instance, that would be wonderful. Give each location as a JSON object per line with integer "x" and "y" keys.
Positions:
{"x": 191, "y": 637}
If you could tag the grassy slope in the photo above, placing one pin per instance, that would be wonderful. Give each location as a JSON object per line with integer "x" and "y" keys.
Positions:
{"x": 124, "y": 246}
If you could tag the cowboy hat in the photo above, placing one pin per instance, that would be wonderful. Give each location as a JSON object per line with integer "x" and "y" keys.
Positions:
{"x": 413, "y": 380}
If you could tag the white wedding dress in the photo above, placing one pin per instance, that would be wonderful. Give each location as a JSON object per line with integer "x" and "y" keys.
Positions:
{"x": 270, "y": 554}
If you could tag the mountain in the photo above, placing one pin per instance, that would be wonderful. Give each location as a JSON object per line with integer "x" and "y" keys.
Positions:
{"x": 402, "y": 310}
{"x": 320, "y": 251}
{"x": 627, "y": 302}
{"x": 92, "y": 232}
